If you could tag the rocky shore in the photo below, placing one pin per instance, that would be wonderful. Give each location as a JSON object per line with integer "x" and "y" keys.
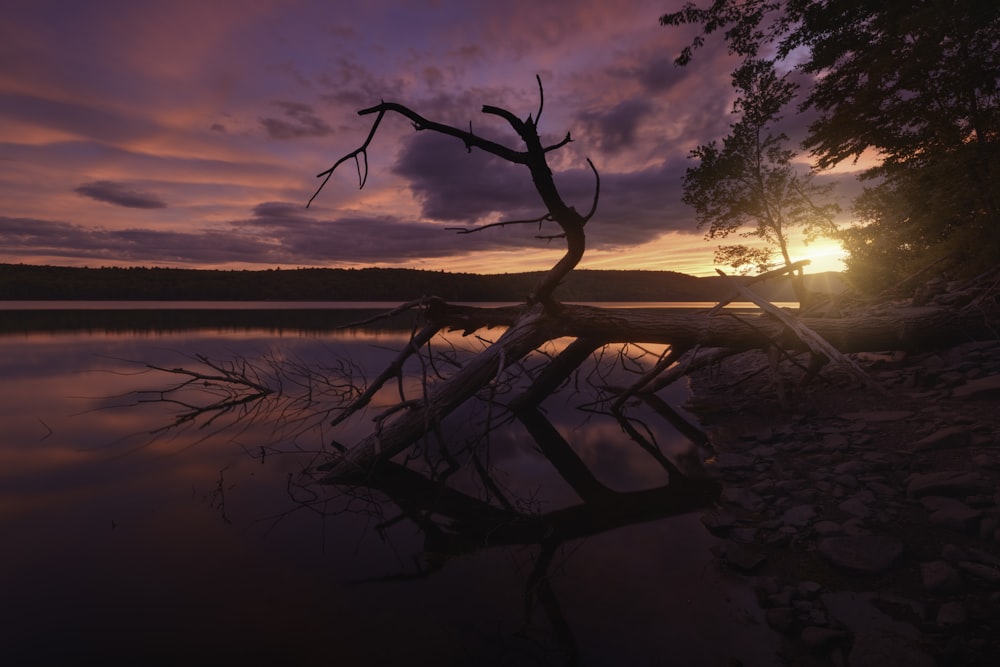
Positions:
{"x": 868, "y": 524}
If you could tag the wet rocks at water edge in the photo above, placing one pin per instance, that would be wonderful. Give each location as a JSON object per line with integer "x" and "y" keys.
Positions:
{"x": 868, "y": 525}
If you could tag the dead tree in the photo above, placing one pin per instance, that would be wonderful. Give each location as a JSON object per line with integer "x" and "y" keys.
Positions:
{"x": 693, "y": 338}
{"x": 542, "y": 318}
{"x": 533, "y": 324}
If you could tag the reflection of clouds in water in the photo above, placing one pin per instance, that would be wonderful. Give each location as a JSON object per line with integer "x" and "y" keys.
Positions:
{"x": 615, "y": 459}
{"x": 170, "y": 549}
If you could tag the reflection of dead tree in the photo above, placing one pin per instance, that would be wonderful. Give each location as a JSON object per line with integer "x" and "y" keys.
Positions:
{"x": 289, "y": 397}
{"x": 455, "y": 523}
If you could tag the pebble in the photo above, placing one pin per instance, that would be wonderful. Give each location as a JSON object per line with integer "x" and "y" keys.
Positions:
{"x": 946, "y": 483}
{"x": 866, "y": 554}
{"x": 980, "y": 388}
{"x": 939, "y": 577}
{"x": 984, "y": 573}
{"x": 957, "y": 516}
{"x": 951, "y": 613}
{"x": 798, "y": 516}
{"x": 877, "y": 415}
{"x": 948, "y": 437}
{"x": 834, "y": 487}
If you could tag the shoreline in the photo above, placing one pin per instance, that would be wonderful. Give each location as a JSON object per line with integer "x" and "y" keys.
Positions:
{"x": 868, "y": 525}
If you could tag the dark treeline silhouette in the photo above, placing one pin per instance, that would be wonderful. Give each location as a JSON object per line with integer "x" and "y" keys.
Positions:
{"x": 29, "y": 282}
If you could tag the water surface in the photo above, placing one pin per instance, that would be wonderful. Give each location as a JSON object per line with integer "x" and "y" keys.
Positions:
{"x": 125, "y": 541}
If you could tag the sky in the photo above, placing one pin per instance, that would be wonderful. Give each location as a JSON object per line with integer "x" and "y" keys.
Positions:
{"x": 189, "y": 133}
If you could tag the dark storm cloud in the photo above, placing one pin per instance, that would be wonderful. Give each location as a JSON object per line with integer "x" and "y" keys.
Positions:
{"x": 456, "y": 186}
{"x": 368, "y": 239}
{"x": 654, "y": 71}
{"x": 299, "y": 121}
{"x": 615, "y": 130}
{"x": 634, "y": 207}
{"x": 119, "y": 194}
{"x": 453, "y": 184}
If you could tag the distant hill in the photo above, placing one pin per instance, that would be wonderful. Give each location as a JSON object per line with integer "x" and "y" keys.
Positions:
{"x": 29, "y": 282}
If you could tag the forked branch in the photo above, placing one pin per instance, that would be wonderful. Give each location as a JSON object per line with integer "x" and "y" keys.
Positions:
{"x": 570, "y": 222}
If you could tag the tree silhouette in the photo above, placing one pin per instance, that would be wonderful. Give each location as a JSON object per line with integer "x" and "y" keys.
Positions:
{"x": 913, "y": 86}
{"x": 749, "y": 185}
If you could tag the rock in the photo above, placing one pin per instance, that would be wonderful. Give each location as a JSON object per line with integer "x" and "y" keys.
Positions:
{"x": 718, "y": 522}
{"x": 742, "y": 557}
{"x": 980, "y": 388}
{"x": 953, "y": 553}
{"x": 851, "y": 467}
{"x": 887, "y": 649}
{"x": 877, "y": 415}
{"x": 733, "y": 461}
{"x": 867, "y": 554}
{"x": 983, "y": 573}
{"x": 817, "y": 639}
{"x": 855, "y": 507}
{"x": 782, "y": 619}
{"x": 850, "y": 481}
{"x": 745, "y": 534}
{"x": 984, "y": 557}
{"x": 798, "y": 516}
{"x": 827, "y": 528}
{"x": 879, "y": 640}
{"x": 957, "y": 516}
{"x": 988, "y": 527}
{"x": 939, "y": 577}
{"x": 951, "y": 613}
{"x": 835, "y": 441}
{"x": 946, "y": 483}
{"x": 808, "y": 589}
{"x": 855, "y": 527}
{"x": 740, "y": 497}
{"x": 952, "y": 436}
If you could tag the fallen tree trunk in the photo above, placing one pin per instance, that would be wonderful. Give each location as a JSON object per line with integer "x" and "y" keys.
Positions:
{"x": 902, "y": 328}
{"x": 419, "y": 417}
{"x": 896, "y": 329}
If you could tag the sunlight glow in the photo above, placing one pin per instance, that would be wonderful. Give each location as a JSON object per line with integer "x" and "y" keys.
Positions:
{"x": 825, "y": 255}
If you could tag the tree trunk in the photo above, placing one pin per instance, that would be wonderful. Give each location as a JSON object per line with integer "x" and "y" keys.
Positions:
{"x": 891, "y": 329}
{"x": 904, "y": 328}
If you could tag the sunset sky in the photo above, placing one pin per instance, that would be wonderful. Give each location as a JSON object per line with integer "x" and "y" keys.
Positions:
{"x": 189, "y": 134}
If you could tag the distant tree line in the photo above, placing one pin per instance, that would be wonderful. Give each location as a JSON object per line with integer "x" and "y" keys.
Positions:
{"x": 27, "y": 282}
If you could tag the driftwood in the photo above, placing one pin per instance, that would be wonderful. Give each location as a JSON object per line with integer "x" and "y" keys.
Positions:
{"x": 892, "y": 329}
{"x": 816, "y": 343}
{"x": 542, "y": 318}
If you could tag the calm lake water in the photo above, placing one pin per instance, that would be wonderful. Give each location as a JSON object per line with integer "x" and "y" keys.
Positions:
{"x": 126, "y": 541}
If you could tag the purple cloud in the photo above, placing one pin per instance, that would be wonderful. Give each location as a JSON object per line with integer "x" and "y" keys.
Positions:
{"x": 64, "y": 239}
{"x": 119, "y": 194}
{"x": 616, "y": 129}
{"x": 299, "y": 121}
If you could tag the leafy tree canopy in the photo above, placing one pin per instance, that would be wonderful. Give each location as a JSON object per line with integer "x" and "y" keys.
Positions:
{"x": 749, "y": 185}
{"x": 915, "y": 83}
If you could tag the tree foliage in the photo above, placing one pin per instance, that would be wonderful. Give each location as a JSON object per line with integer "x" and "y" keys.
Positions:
{"x": 749, "y": 185}
{"x": 914, "y": 84}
